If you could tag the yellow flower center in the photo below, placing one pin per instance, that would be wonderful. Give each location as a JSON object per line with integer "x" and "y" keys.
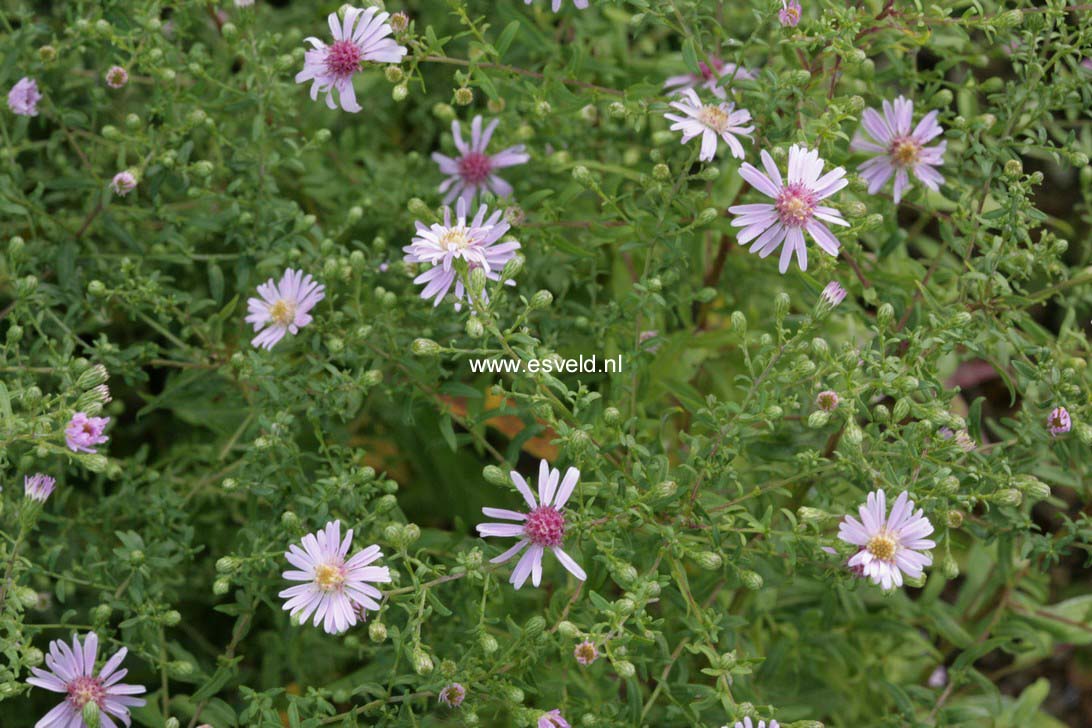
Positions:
{"x": 882, "y": 546}
{"x": 329, "y": 577}
{"x": 283, "y": 312}
{"x": 904, "y": 152}
{"x": 455, "y": 239}
{"x": 714, "y": 117}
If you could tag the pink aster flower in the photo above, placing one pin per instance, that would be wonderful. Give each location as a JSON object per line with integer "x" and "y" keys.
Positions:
{"x": 474, "y": 170}
{"x": 541, "y": 528}
{"x": 334, "y": 587}
{"x": 714, "y": 79}
{"x": 361, "y": 36}
{"x": 938, "y": 678}
{"x": 746, "y": 723}
{"x": 789, "y": 14}
{"x": 962, "y": 438}
{"x": 117, "y": 77}
{"x": 710, "y": 121}
{"x": 795, "y": 209}
{"x": 283, "y": 307}
{"x": 833, "y": 294}
{"x": 553, "y": 719}
{"x": 24, "y": 97}
{"x": 38, "y": 487}
{"x": 452, "y": 695}
{"x": 585, "y": 653}
{"x": 827, "y": 400}
{"x": 899, "y": 150}
{"x": 72, "y": 671}
{"x": 1086, "y": 64}
{"x": 83, "y": 432}
{"x": 123, "y": 183}
{"x": 473, "y": 242}
{"x": 1058, "y": 421}
{"x": 891, "y": 545}
{"x": 582, "y": 4}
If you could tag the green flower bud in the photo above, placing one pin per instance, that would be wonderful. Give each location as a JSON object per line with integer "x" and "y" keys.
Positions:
{"x": 664, "y": 490}
{"x": 707, "y": 215}
{"x": 488, "y": 643}
{"x": 400, "y": 92}
{"x": 709, "y": 560}
{"x": 180, "y": 668}
{"x": 221, "y": 586}
{"x": 582, "y": 175}
{"x": 661, "y": 172}
{"x": 377, "y": 631}
{"x": 101, "y": 613}
{"x": 739, "y": 322}
{"x": 751, "y": 580}
{"x": 541, "y": 299}
{"x": 625, "y": 574}
{"x": 811, "y": 515}
{"x": 393, "y": 73}
{"x": 422, "y": 663}
{"x": 47, "y": 53}
{"x": 954, "y": 519}
{"x": 781, "y": 305}
{"x": 425, "y": 347}
{"x": 853, "y": 435}
{"x": 464, "y": 96}
{"x": 818, "y": 419}
{"x": 443, "y": 112}
{"x": 512, "y": 268}
{"x": 535, "y": 626}
{"x": 884, "y": 315}
{"x": 171, "y": 723}
{"x": 1008, "y": 497}
{"x": 227, "y": 564}
{"x": 171, "y": 618}
{"x": 568, "y": 629}
{"x": 1033, "y": 488}
{"x": 625, "y": 669}
{"x": 514, "y": 694}
{"x": 91, "y": 715}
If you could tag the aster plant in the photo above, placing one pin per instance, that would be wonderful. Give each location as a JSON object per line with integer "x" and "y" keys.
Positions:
{"x": 710, "y": 122}
{"x": 891, "y": 545}
{"x": 900, "y": 147}
{"x": 474, "y": 170}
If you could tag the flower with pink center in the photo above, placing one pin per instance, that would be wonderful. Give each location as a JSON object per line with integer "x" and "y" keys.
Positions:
{"x": 962, "y": 438}
{"x": 891, "y": 545}
{"x": 452, "y": 695}
{"x": 789, "y": 14}
{"x": 715, "y": 76}
{"x": 710, "y": 121}
{"x": 475, "y": 243}
{"x": 117, "y": 77}
{"x": 283, "y": 307}
{"x": 827, "y": 400}
{"x": 474, "y": 170}
{"x": 24, "y": 97}
{"x": 72, "y": 672}
{"x": 38, "y": 487}
{"x": 1059, "y": 421}
{"x": 334, "y": 587}
{"x": 541, "y": 528}
{"x": 553, "y": 719}
{"x": 795, "y": 209}
{"x": 581, "y": 4}
{"x": 82, "y": 432}
{"x": 123, "y": 183}
{"x": 585, "y": 653}
{"x": 833, "y": 294}
{"x": 361, "y": 36}
{"x": 898, "y": 149}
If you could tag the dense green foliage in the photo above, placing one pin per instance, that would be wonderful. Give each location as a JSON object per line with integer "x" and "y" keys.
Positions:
{"x": 711, "y": 481}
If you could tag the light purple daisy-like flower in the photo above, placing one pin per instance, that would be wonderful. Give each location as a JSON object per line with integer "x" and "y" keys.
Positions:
{"x": 553, "y": 719}
{"x": 334, "y": 587}
{"x": 1059, "y": 421}
{"x": 38, "y": 487}
{"x": 361, "y": 36}
{"x": 962, "y": 438}
{"x": 827, "y": 400}
{"x": 82, "y": 432}
{"x": 938, "y": 678}
{"x": 710, "y": 121}
{"x": 795, "y": 209}
{"x": 123, "y": 183}
{"x": 789, "y": 14}
{"x": 283, "y": 307}
{"x": 452, "y": 695}
{"x": 833, "y": 294}
{"x": 117, "y": 77}
{"x": 746, "y": 723}
{"x": 715, "y": 76}
{"x": 24, "y": 97}
{"x": 581, "y": 4}
{"x": 890, "y": 545}
{"x": 899, "y": 149}
{"x": 72, "y": 671}
{"x": 585, "y": 653}
{"x": 475, "y": 242}
{"x": 474, "y": 170}
{"x": 541, "y": 528}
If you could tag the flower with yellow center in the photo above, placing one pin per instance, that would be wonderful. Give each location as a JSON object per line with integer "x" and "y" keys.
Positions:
{"x": 329, "y": 577}
{"x": 455, "y": 239}
{"x": 714, "y": 117}
{"x": 905, "y": 152}
{"x": 882, "y": 546}
{"x": 282, "y": 312}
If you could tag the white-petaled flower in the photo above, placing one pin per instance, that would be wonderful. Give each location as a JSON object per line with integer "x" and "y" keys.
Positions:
{"x": 474, "y": 242}
{"x": 541, "y": 528}
{"x": 710, "y": 121}
{"x": 795, "y": 209}
{"x": 714, "y": 78}
{"x": 890, "y": 546}
{"x": 581, "y": 4}
{"x": 833, "y": 294}
{"x": 361, "y": 36}
{"x": 336, "y": 590}
{"x": 899, "y": 150}
{"x": 474, "y": 170}
{"x": 746, "y": 723}
{"x": 283, "y": 307}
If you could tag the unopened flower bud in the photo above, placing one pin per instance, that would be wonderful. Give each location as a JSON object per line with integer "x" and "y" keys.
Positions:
{"x": 625, "y": 669}
{"x": 221, "y": 586}
{"x": 582, "y": 175}
{"x": 464, "y": 96}
{"x": 1008, "y": 497}
{"x": 750, "y": 579}
{"x": 227, "y": 564}
{"x": 739, "y": 322}
{"x": 954, "y": 519}
{"x": 664, "y": 490}
{"x": 884, "y": 315}
{"x": 377, "y": 631}
{"x": 422, "y": 663}
{"x": 400, "y": 92}
{"x": 1033, "y": 488}
{"x": 568, "y": 629}
{"x": 512, "y": 268}
{"x": 818, "y": 419}
{"x": 707, "y": 215}
{"x": 495, "y": 475}
{"x": 709, "y": 560}
{"x": 91, "y": 714}
{"x": 425, "y": 347}
{"x": 949, "y": 567}
{"x": 781, "y": 305}
{"x": 541, "y": 299}
{"x": 535, "y": 626}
